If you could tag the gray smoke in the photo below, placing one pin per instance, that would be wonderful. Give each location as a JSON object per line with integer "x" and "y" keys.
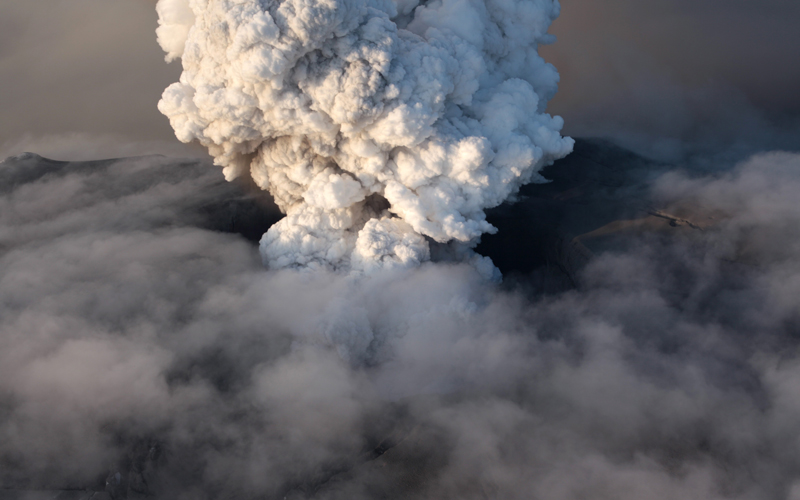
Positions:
{"x": 126, "y": 327}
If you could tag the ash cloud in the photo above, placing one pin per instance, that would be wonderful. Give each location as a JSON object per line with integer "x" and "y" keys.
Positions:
{"x": 138, "y": 338}
{"x": 376, "y": 126}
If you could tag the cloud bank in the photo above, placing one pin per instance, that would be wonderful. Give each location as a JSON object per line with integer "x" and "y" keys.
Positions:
{"x": 136, "y": 340}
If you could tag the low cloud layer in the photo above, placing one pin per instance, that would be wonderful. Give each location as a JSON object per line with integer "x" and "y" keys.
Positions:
{"x": 135, "y": 340}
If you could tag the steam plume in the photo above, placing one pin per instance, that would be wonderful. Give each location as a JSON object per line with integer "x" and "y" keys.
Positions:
{"x": 377, "y": 125}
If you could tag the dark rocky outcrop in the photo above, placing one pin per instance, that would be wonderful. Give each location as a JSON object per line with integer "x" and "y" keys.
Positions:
{"x": 549, "y": 231}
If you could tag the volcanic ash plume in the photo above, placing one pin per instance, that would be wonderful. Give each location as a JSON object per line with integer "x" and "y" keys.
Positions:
{"x": 377, "y": 125}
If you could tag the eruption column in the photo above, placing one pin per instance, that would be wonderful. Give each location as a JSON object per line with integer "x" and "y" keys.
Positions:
{"x": 379, "y": 126}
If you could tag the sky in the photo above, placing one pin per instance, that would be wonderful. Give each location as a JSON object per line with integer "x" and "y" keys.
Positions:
{"x": 658, "y": 73}
{"x": 742, "y": 44}
{"x": 82, "y": 77}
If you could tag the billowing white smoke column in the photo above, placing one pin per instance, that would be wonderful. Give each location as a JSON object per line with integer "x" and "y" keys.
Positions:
{"x": 340, "y": 106}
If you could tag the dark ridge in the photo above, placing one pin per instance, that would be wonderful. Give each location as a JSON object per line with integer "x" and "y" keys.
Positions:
{"x": 237, "y": 207}
{"x": 25, "y": 168}
{"x": 595, "y": 185}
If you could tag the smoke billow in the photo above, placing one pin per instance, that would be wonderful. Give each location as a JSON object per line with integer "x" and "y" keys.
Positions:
{"x": 376, "y": 125}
